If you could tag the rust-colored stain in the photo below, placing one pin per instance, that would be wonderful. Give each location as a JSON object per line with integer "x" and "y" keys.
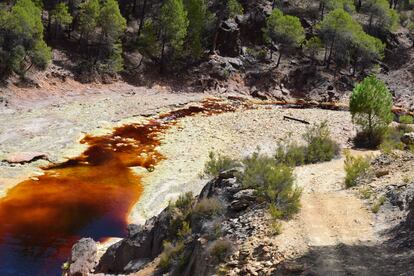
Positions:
{"x": 87, "y": 196}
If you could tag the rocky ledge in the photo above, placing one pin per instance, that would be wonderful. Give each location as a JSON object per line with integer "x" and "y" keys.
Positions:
{"x": 193, "y": 236}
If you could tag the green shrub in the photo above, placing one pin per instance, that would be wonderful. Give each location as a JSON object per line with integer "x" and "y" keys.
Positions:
{"x": 366, "y": 192}
{"x": 259, "y": 54}
{"x": 185, "y": 230}
{"x": 392, "y": 140}
{"x": 274, "y": 182}
{"x": 320, "y": 147}
{"x": 406, "y": 119}
{"x": 276, "y": 215}
{"x": 375, "y": 208}
{"x": 220, "y": 249}
{"x": 185, "y": 201}
{"x": 170, "y": 254}
{"x": 405, "y": 124}
{"x": 217, "y": 164}
{"x": 355, "y": 166}
{"x": 207, "y": 207}
{"x": 276, "y": 227}
{"x": 290, "y": 154}
{"x": 180, "y": 212}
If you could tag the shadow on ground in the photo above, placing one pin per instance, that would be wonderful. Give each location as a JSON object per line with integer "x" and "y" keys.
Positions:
{"x": 341, "y": 259}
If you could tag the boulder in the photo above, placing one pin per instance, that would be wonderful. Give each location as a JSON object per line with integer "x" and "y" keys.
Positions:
{"x": 408, "y": 138}
{"x": 243, "y": 199}
{"x": 83, "y": 257}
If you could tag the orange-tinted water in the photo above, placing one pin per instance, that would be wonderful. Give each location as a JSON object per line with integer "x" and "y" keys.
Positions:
{"x": 87, "y": 196}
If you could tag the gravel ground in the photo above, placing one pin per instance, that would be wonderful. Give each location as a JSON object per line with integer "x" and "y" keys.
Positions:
{"x": 236, "y": 134}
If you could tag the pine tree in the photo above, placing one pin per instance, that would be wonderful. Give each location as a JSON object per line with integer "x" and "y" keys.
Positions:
{"x": 285, "y": 30}
{"x": 60, "y": 17}
{"x": 148, "y": 43}
{"x": 196, "y": 10}
{"x": 88, "y": 17}
{"x": 370, "y": 105}
{"x": 112, "y": 26}
{"x": 329, "y": 5}
{"x": 111, "y": 21}
{"x": 234, "y": 8}
{"x": 174, "y": 24}
{"x": 344, "y": 39}
{"x": 381, "y": 15}
{"x": 21, "y": 39}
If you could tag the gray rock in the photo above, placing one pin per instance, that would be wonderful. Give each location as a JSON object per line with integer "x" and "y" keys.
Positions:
{"x": 229, "y": 173}
{"x": 247, "y": 194}
{"x": 408, "y": 138}
{"x": 83, "y": 257}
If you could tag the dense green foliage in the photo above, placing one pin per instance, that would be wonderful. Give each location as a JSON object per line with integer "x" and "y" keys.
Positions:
{"x": 197, "y": 17}
{"x": 381, "y": 15}
{"x": 346, "y": 42}
{"x": 285, "y": 30}
{"x": 176, "y": 34}
{"x": 370, "y": 106}
{"x": 234, "y": 8}
{"x": 319, "y": 147}
{"x": 274, "y": 182}
{"x": 60, "y": 17}
{"x": 21, "y": 39}
{"x": 329, "y": 5}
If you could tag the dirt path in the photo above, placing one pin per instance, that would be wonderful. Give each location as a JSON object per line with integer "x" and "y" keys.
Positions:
{"x": 334, "y": 233}
{"x": 331, "y": 216}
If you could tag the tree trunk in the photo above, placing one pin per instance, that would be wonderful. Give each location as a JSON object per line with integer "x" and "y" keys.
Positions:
{"x": 162, "y": 57}
{"x": 49, "y": 25}
{"x": 278, "y": 60}
{"x": 142, "y": 18}
{"x": 371, "y": 17}
{"x": 370, "y": 129}
{"x": 330, "y": 53}
{"x": 134, "y": 7}
{"x": 359, "y": 5}
{"x": 326, "y": 53}
{"x": 322, "y": 8}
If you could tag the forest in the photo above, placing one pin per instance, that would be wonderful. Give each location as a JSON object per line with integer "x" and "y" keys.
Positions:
{"x": 174, "y": 35}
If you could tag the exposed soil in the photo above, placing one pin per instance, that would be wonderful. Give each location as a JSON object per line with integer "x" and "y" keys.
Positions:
{"x": 335, "y": 232}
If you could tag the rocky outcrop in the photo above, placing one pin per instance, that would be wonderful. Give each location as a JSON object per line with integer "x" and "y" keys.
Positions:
{"x": 141, "y": 245}
{"x": 237, "y": 220}
{"x": 228, "y": 39}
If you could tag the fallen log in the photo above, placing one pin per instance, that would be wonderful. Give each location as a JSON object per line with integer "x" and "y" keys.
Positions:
{"x": 295, "y": 119}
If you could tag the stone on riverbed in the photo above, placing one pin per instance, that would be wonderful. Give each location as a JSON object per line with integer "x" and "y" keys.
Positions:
{"x": 25, "y": 157}
{"x": 83, "y": 257}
